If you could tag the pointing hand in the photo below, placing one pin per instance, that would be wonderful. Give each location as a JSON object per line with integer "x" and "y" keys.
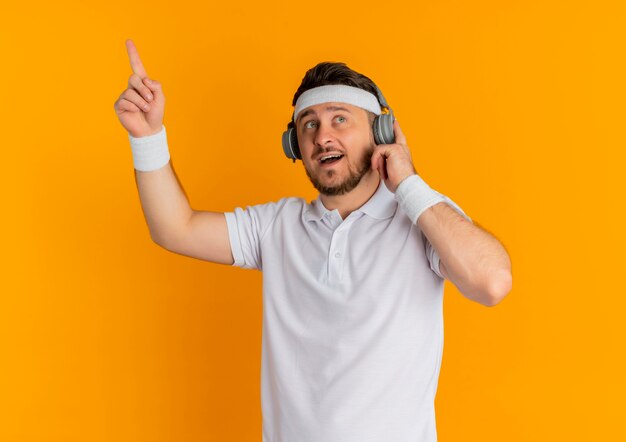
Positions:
{"x": 141, "y": 106}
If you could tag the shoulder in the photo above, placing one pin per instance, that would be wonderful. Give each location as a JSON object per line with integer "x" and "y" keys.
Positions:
{"x": 287, "y": 206}
{"x": 286, "y": 203}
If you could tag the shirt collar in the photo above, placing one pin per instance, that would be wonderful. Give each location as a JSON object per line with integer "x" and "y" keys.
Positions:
{"x": 381, "y": 205}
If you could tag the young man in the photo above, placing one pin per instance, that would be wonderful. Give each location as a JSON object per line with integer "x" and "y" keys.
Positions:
{"x": 352, "y": 281}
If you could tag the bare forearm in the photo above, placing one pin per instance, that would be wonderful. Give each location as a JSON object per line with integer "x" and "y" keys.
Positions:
{"x": 475, "y": 261}
{"x": 164, "y": 202}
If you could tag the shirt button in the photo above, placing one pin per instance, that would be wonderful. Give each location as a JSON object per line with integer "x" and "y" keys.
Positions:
{"x": 337, "y": 255}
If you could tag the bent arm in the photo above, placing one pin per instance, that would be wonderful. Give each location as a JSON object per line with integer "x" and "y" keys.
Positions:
{"x": 164, "y": 203}
{"x": 174, "y": 225}
{"x": 473, "y": 259}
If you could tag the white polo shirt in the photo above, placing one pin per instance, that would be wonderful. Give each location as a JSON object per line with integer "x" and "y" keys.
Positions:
{"x": 352, "y": 319}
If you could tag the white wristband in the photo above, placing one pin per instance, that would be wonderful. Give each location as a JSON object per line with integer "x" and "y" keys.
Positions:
{"x": 150, "y": 152}
{"x": 414, "y": 196}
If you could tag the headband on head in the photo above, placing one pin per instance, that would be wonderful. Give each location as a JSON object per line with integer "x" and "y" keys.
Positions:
{"x": 337, "y": 93}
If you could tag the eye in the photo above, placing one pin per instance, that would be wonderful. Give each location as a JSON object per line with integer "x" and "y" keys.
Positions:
{"x": 306, "y": 125}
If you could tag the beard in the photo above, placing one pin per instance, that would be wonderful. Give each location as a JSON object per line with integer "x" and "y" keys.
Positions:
{"x": 355, "y": 174}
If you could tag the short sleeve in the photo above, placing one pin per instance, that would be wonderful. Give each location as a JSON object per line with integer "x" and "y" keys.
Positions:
{"x": 245, "y": 231}
{"x": 431, "y": 253}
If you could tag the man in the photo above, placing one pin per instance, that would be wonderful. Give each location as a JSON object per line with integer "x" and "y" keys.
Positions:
{"x": 352, "y": 282}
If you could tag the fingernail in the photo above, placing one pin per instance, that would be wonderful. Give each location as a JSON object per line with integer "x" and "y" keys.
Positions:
{"x": 149, "y": 96}
{"x": 148, "y": 81}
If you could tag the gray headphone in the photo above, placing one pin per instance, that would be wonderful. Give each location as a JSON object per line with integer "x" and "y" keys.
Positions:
{"x": 382, "y": 126}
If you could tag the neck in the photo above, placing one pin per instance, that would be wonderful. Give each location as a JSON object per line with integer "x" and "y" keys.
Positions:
{"x": 349, "y": 202}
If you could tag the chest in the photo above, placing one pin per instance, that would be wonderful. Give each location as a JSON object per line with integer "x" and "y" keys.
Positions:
{"x": 357, "y": 252}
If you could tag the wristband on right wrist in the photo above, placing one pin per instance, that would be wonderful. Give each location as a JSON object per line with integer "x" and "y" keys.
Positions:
{"x": 150, "y": 152}
{"x": 414, "y": 196}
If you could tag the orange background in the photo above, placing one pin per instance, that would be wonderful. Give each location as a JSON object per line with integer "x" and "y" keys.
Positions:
{"x": 513, "y": 109}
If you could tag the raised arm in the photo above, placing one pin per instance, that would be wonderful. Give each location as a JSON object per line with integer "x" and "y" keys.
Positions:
{"x": 172, "y": 223}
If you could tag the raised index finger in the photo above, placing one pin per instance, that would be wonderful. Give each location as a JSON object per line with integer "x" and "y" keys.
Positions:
{"x": 135, "y": 61}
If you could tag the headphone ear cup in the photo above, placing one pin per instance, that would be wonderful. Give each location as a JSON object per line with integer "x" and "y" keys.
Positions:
{"x": 383, "y": 129}
{"x": 290, "y": 144}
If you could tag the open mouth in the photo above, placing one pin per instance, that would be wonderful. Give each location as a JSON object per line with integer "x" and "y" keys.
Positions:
{"x": 331, "y": 159}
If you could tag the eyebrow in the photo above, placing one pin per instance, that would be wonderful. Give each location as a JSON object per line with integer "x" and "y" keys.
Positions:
{"x": 328, "y": 108}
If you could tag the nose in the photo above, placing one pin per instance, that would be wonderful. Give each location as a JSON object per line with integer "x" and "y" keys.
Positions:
{"x": 324, "y": 134}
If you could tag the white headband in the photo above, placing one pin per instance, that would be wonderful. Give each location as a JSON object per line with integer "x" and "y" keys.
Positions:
{"x": 337, "y": 93}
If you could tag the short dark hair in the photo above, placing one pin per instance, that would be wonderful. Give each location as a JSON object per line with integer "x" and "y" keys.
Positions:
{"x": 326, "y": 73}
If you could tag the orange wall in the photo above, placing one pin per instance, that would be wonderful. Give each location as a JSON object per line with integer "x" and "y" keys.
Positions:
{"x": 513, "y": 109}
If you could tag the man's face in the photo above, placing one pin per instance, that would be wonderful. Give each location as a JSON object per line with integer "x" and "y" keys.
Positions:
{"x": 340, "y": 129}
